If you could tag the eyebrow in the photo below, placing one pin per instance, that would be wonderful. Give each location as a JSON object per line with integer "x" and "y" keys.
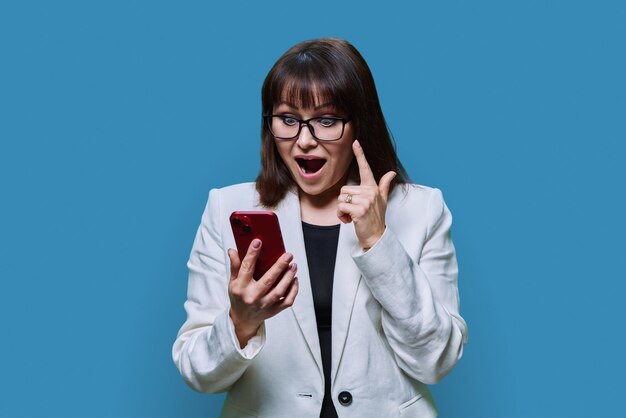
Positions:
{"x": 296, "y": 107}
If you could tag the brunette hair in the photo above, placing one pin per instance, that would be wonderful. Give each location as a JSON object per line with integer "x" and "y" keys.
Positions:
{"x": 322, "y": 71}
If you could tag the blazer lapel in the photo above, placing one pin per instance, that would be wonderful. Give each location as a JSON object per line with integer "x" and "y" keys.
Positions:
{"x": 346, "y": 282}
{"x": 288, "y": 213}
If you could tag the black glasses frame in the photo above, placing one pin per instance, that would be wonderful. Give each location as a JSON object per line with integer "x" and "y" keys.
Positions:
{"x": 307, "y": 122}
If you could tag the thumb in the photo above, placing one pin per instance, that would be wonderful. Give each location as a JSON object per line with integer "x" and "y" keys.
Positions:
{"x": 235, "y": 263}
{"x": 385, "y": 184}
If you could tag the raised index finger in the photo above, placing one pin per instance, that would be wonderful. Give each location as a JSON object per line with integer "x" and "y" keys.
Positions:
{"x": 365, "y": 172}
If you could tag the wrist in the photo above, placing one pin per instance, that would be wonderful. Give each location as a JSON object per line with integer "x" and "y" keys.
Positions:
{"x": 243, "y": 330}
{"x": 370, "y": 242}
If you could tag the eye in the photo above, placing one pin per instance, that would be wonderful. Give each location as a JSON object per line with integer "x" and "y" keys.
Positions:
{"x": 326, "y": 122}
{"x": 289, "y": 121}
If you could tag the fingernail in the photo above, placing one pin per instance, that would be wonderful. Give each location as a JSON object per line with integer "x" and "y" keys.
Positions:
{"x": 256, "y": 243}
{"x": 358, "y": 144}
{"x": 288, "y": 257}
{"x": 294, "y": 267}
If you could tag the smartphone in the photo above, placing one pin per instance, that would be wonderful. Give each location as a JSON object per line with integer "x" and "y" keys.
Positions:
{"x": 248, "y": 225}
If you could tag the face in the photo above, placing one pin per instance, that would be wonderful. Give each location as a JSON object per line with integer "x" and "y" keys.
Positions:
{"x": 317, "y": 167}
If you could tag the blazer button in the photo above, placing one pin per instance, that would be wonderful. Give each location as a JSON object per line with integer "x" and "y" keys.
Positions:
{"x": 345, "y": 398}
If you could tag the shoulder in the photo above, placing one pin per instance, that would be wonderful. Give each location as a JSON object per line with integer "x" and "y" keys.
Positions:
{"x": 410, "y": 194}
{"x": 242, "y": 196}
{"x": 417, "y": 206}
{"x": 236, "y": 189}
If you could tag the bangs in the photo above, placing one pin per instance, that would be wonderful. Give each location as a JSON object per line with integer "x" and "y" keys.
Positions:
{"x": 303, "y": 82}
{"x": 303, "y": 94}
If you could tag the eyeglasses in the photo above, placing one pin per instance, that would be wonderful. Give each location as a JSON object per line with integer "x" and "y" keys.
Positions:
{"x": 325, "y": 128}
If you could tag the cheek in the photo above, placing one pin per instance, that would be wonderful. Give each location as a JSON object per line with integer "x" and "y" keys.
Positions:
{"x": 346, "y": 149}
{"x": 344, "y": 157}
{"x": 283, "y": 151}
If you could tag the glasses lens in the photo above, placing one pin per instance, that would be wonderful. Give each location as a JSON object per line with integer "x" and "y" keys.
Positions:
{"x": 327, "y": 129}
{"x": 284, "y": 126}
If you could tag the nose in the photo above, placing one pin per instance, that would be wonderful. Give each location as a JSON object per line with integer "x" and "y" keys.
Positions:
{"x": 306, "y": 139}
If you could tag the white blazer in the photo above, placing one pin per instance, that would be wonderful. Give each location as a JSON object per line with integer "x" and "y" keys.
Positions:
{"x": 395, "y": 316}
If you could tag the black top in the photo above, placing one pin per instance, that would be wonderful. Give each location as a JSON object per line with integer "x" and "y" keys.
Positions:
{"x": 321, "y": 252}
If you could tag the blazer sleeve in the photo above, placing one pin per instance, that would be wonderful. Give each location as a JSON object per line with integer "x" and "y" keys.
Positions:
{"x": 206, "y": 350}
{"x": 420, "y": 303}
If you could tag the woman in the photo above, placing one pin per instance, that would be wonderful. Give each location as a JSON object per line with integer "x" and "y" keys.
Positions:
{"x": 373, "y": 315}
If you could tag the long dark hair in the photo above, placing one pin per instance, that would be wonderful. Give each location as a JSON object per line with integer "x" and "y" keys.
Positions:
{"x": 322, "y": 71}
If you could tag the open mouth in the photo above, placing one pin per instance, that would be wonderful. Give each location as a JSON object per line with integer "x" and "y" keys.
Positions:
{"x": 310, "y": 165}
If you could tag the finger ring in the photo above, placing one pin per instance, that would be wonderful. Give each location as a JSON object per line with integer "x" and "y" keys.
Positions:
{"x": 348, "y": 198}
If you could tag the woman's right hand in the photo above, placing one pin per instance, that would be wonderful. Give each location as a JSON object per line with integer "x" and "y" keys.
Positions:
{"x": 252, "y": 301}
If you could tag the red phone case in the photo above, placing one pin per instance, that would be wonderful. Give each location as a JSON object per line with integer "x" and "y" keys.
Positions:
{"x": 248, "y": 225}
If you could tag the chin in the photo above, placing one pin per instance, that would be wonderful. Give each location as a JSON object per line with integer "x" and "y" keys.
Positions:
{"x": 312, "y": 190}
{"x": 317, "y": 189}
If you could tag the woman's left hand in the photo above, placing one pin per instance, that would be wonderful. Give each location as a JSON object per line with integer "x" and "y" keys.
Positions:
{"x": 368, "y": 202}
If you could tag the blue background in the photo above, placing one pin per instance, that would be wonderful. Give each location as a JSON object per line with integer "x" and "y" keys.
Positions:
{"x": 116, "y": 118}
